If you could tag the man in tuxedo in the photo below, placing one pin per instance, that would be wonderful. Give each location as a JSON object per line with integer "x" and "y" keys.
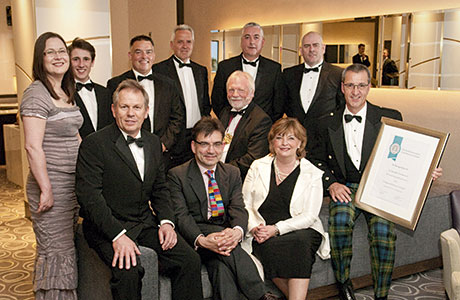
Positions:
{"x": 92, "y": 98}
{"x": 266, "y": 73}
{"x": 209, "y": 208}
{"x": 247, "y": 125}
{"x": 192, "y": 80}
{"x": 346, "y": 144}
{"x": 122, "y": 190}
{"x": 360, "y": 57}
{"x": 390, "y": 73}
{"x": 313, "y": 88}
{"x": 166, "y": 115}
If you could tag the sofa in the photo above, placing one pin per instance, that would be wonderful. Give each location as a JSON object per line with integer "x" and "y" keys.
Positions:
{"x": 412, "y": 256}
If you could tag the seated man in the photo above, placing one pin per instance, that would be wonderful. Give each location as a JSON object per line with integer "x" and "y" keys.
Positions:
{"x": 247, "y": 125}
{"x": 206, "y": 195}
{"x": 120, "y": 179}
{"x": 343, "y": 152}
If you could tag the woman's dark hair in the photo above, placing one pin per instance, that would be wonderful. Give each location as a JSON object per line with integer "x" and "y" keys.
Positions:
{"x": 39, "y": 72}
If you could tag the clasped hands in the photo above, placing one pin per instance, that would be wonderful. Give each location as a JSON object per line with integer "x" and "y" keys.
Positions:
{"x": 263, "y": 232}
{"x": 125, "y": 250}
{"x": 341, "y": 193}
{"x": 222, "y": 242}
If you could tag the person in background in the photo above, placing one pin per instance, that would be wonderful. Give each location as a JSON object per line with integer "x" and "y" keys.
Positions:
{"x": 283, "y": 194}
{"x": 247, "y": 125}
{"x": 51, "y": 121}
{"x": 92, "y": 98}
{"x": 266, "y": 73}
{"x": 192, "y": 80}
{"x": 361, "y": 57}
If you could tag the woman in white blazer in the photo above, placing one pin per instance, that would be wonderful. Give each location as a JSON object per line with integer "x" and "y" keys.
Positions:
{"x": 283, "y": 195}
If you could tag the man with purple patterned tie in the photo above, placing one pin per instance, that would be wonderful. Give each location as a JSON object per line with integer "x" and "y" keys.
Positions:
{"x": 210, "y": 215}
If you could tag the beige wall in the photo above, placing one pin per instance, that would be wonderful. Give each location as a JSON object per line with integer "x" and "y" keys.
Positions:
{"x": 130, "y": 18}
{"x": 432, "y": 109}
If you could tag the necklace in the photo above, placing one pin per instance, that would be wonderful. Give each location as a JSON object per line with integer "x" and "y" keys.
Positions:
{"x": 280, "y": 175}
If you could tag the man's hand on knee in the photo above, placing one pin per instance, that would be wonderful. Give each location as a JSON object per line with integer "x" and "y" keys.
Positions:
{"x": 125, "y": 251}
{"x": 339, "y": 192}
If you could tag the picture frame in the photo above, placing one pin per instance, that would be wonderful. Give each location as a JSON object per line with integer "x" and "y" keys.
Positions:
{"x": 398, "y": 175}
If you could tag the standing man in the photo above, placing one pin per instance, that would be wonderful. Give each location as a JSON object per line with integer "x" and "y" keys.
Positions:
{"x": 247, "y": 125}
{"x": 92, "y": 98}
{"x": 313, "y": 88}
{"x": 266, "y": 73}
{"x": 360, "y": 57}
{"x": 166, "y": 115}
{"x": 208, "y": 203}
{"x": 192, "y": 80}
{"x": 120, "y": 180}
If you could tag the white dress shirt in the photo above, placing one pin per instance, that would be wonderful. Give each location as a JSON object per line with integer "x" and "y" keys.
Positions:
{"x": 187, "y": 82}
{"x": 90, "y": 102}
{"x": 149, "y": 87}
{"x": 309, "y": 85}
{"x": 251, "y": 69}
{"x": 354, "y": 134}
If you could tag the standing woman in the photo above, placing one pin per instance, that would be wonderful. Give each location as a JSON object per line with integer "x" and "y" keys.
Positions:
{"x": 51, "y": 122}
{"x": 283, "y": 194}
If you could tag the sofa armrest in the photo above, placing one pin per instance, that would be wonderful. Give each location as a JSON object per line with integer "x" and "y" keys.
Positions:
{"x": 450, "y": 245}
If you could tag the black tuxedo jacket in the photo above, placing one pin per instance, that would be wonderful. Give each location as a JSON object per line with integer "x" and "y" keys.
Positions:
{"x": 250, "y": 140}
{"x": 200, "y": 74}
{"x": 328, "y": 96}
{"x": 190, "y": 202}
{"x": 109, "y": 188}
{"x": 357, "y": 60}
{"x": 329, "y": 155}
{"x": 268, "y": 94}
{"x": 104, "y": 111}
{"x": 169, "y": 110}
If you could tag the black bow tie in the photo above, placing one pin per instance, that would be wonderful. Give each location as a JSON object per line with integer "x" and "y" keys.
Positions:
{"x": 181, "y": 64}
{"x": 252, "y": 63}
{"x": 315, "y": 69}
{"x": 140, "y": 77}
{"x": 139, "y": 141}
{"x": 234, "y": 113}
{"x": 89, "y": 86}
{"x": 348, "y": 118}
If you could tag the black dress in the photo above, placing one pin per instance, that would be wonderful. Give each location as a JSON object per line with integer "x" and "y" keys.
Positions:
{"x": 289, "y": 255}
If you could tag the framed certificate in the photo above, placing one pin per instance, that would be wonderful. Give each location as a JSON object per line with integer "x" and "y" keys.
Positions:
{"x": 397, "y": 177}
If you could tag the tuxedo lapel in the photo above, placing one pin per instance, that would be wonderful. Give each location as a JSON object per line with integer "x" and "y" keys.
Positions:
{"x": 337, "y": 140}
{"x": 122, "y": 149}
{"x": 197, "y": 185}
{"x": 371, "y": 130}
{"x": 83, "y": 110}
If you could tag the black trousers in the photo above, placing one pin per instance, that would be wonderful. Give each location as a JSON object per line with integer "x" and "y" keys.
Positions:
{"x": 232, "y": 275}
{"x": 181, "y": 263}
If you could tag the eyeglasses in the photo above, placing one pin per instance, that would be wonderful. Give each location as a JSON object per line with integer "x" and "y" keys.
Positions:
{"x": 360, "y": 86}
{"x": 206, "y": 145}
{"x": 54, "y": 53}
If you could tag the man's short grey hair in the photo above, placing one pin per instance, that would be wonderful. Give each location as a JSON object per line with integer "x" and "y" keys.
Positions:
{"x": 253, "y": 24}
{"x": 357, "y": 68}
{"x": 182, "y": 27}
{"x": 131, "y": 85}
{"x": 244, "y": 75}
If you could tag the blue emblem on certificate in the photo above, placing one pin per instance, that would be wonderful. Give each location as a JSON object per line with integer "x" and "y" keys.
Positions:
{"x": 395, "y": 147}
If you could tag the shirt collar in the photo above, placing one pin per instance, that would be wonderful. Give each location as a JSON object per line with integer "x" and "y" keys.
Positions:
{"x": 203, "y": 169}
{"x": 125, "y": 135}
{"x": 139, "y": 74}
{"x": 319, "y": 65}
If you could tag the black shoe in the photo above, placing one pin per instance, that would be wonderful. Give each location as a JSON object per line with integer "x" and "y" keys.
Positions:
{"x": 346, "y": 291}
{"x": 269, "y": 296}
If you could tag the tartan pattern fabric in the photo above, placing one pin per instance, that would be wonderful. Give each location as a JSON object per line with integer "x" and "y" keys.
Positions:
{"x": 215, "y": 199}
{"x": 381, "y": 237}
